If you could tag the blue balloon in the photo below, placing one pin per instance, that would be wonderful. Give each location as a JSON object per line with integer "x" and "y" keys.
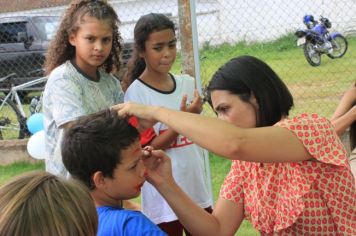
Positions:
{"x": 35, "y": 123}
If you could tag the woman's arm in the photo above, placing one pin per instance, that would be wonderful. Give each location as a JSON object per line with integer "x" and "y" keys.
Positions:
{"x": 346, "y": 102}
{"x": 268, "y": 144}
{"x": 225, "y": 219}
{"x": 165, "y": 139}
{"x": 343, "y": 122}
{"x": 345, "y": 113}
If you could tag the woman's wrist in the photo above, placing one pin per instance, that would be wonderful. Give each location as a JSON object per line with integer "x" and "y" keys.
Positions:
{"x": 167, "y": 187}
{"x": 157, "y": 112}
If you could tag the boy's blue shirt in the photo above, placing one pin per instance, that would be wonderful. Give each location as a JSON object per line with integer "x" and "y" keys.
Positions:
{"x": 118, "y": 221}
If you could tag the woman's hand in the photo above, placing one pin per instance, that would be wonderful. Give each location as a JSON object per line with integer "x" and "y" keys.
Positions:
{"x": 144, "y": 114}
{"x": 196, "y": 106}
{"x": 159, "y": 168}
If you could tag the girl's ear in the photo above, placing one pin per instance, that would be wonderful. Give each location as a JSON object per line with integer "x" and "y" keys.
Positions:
{"x": 98, "y": 179}
{"x": 72, "y": 39}
{"x": 141, "y": 55}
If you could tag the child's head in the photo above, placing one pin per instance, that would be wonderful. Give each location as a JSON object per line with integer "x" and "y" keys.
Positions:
{"x": 39, "y": 203}
{"x": 78, "y": 13}
{"x": 253, "y": 80}
{"x": 145, "y": 26}
{"x": 104, "y": 152}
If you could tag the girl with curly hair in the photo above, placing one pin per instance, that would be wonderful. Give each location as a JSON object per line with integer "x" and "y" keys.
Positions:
{"x": 79, "y": 64}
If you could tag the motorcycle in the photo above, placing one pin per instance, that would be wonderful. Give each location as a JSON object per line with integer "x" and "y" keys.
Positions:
{"x": 316, "y": 40}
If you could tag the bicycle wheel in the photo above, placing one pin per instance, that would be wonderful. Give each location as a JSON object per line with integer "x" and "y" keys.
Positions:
{"x": 12, "y": 123}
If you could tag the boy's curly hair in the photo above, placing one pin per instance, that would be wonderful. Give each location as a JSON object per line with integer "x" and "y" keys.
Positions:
{"x": 61, "y": 50}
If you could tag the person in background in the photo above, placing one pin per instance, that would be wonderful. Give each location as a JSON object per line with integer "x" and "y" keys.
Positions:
{"x": 39, "y": 204}
{"x": 79, "y": 63}
{"x": 104, "y": 152}
{"x": 150, "y": 82}
{"x": 344, "y": 119}
{"x": 289, "y": 175}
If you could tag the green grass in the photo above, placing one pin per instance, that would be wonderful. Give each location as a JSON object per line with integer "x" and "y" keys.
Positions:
{"x": 315, "y": 89}
{"x": 9, "y": 171}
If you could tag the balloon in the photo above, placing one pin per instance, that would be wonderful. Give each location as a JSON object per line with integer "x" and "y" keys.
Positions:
{"x": 35, "y": 123}
{"x": 36, "y": 145}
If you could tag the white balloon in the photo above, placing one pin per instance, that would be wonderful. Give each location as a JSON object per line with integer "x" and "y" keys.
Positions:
{"x": 36, "y": 145}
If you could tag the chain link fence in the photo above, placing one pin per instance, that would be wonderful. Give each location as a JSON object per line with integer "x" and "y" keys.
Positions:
{"x": 225, "y": 29}
{"x": 266, "y": 29}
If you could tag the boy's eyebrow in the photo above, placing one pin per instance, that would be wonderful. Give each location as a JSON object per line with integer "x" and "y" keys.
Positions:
{"x": 139, "y": 158}
{"x": 135, "y": 162}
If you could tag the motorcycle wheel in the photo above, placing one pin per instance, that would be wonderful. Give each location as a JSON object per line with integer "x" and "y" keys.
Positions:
{"x": 313, "y": 57}
{"x": 340, "y": 46}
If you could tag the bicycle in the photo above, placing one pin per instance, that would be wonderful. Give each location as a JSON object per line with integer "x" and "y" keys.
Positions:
{"x": 12, "y": 114}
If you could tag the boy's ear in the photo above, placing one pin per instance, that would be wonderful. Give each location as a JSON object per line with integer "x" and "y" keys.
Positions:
{"x": 98, "y": 179}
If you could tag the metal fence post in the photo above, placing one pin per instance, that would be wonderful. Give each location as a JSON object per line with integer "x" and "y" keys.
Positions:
{"x": 190, "y": 58}
{"x": 185, "y": 29}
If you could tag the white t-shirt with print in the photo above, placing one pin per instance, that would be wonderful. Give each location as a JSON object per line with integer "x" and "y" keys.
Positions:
{"x": 188, "y": 159}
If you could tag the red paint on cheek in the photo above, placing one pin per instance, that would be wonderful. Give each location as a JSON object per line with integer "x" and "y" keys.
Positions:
{"x": 138, "y": 188}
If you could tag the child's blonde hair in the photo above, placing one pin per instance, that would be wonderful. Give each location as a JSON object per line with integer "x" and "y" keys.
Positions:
{"x": 61, "y": 50}
{"x": 39, "y": 203}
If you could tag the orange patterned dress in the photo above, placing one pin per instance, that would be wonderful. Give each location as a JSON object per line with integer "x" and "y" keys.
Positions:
{"x": 316, "y": 197}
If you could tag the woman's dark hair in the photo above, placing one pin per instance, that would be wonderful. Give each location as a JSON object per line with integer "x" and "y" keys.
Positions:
{"x": 146, "y": 25}
{"x": 61, "y": 50}
{"x": 95, "y": 143}
{"x": 246, "y": 76}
